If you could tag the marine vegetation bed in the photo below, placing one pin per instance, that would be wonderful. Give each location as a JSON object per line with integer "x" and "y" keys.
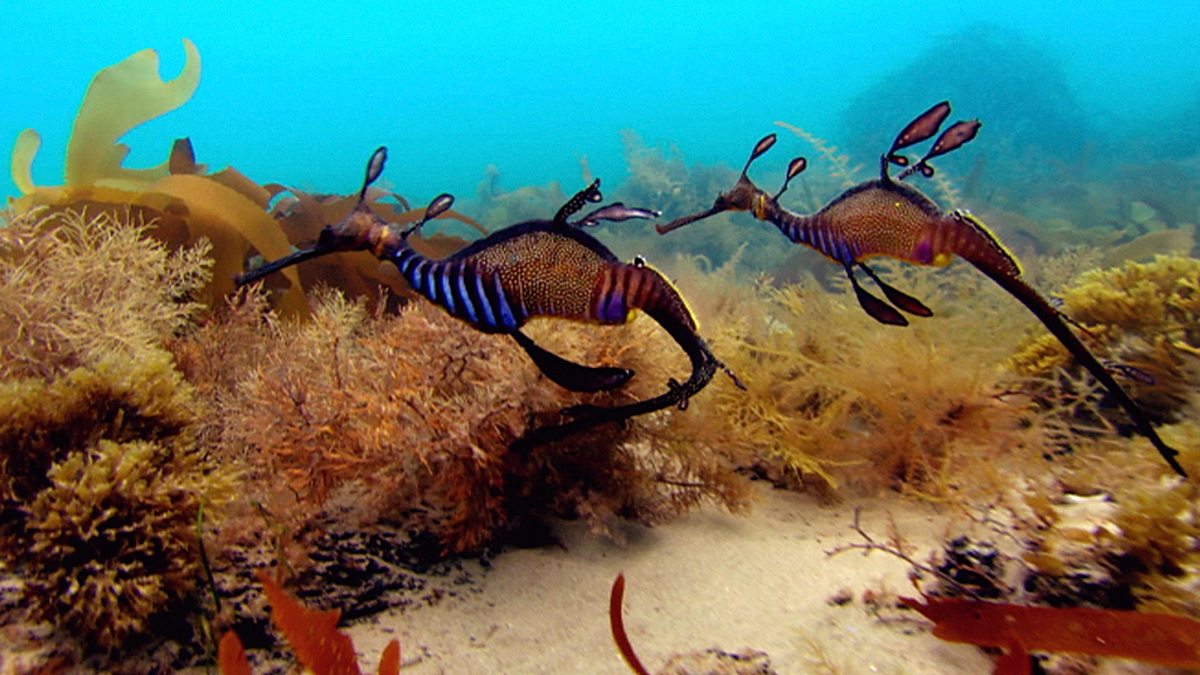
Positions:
{"x": 172, "y": 445}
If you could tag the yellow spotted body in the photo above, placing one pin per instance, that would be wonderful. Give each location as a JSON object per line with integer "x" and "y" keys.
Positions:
{"x": 538, "y": 268}
{"x": 890, "y": 219}
{"x": 545, "y": 274}
{"x": 541, "y": 269}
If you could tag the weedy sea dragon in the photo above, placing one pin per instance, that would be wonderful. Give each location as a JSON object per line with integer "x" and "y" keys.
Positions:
{"x": 885, "y": 217}
{"x": 546, "y": 268}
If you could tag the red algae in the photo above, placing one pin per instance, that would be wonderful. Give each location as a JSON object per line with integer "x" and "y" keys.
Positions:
{"x": 1161, "y": 639}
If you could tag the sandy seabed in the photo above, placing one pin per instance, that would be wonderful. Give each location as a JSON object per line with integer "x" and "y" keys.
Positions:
{"x": 711, "y": 579}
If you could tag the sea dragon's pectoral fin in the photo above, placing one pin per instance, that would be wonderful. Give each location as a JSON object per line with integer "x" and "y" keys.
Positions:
{"x": 877, "y": 309}
{"x": 571, "y": 375}
{"x": 897, "y": 297}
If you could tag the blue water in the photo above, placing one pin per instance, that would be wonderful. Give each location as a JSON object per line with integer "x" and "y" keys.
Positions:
{"x": 301, "y": 92}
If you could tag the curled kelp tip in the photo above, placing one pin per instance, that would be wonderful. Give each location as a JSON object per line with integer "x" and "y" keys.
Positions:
{"x": 119, "y": 98}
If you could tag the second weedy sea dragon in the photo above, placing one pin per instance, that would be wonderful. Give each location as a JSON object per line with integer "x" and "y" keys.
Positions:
{"x": 538, "y": 268}
{"x": 886, "y": 217}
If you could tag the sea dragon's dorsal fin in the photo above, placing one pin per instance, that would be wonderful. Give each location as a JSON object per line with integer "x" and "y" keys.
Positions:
{"x": 1000, "y": 253}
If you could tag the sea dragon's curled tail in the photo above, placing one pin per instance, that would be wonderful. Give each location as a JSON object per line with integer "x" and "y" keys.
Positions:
{"x": 538, "y": 268}
{"x": 886, "y": 217}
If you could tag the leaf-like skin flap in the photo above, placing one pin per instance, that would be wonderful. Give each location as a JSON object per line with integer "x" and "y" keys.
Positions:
{"x": 120, "y": 98}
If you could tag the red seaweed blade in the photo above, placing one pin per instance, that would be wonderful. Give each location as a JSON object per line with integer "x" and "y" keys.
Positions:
{"x": 1162, "y": 639}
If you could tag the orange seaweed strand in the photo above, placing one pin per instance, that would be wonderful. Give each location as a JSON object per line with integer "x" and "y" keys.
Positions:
{"x": 231, "y": 656}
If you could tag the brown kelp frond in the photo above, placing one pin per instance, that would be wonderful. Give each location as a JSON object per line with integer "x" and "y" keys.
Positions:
{"x": 1142, "y": 317}
{"x": 74, "y": 288}
{"x": 1162, "y": 639}
{"x": 186, "y": 205}
{"x": 234, "y": 224}
{"x": 120, "y": 98}
{"x": 415, "y": 414}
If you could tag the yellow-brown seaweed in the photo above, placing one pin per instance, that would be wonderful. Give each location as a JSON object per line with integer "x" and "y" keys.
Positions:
{"x": 1145, "y": 315}
{"x": 419, "y": 409}
{"x": 102, "y": 475}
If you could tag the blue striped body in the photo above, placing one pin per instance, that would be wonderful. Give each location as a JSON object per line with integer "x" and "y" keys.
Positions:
{"x": 808, "y": 231}
{"x": 532, "y": 269}
{"x": 463, "y": 289}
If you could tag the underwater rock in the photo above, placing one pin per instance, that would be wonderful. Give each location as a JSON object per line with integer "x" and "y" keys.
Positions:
{"x": 1150, "y": 245}
{"x": 1141, "y": 212}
